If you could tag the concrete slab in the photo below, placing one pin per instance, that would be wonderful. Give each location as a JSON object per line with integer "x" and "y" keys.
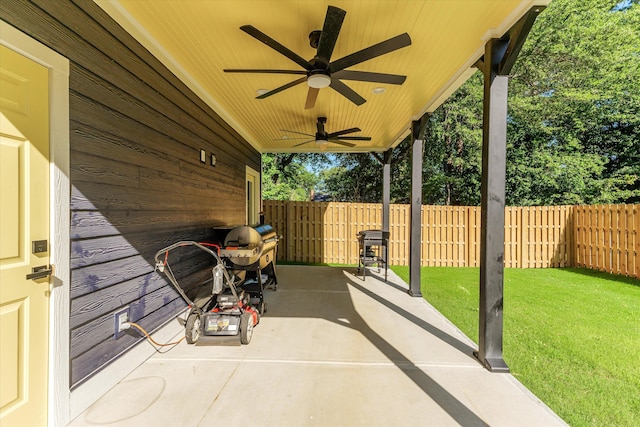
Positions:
{"x": 332, "y": 350}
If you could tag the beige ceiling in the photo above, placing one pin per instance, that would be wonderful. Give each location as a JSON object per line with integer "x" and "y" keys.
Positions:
{"x": 197, "y": 39}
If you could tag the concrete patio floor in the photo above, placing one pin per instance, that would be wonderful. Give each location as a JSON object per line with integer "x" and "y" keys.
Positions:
{"x": 332, "y": 350}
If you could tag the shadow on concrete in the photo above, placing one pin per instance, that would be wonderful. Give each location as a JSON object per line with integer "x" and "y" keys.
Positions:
{"x": 443, "y": 336}
{"x": 329, "y": 298}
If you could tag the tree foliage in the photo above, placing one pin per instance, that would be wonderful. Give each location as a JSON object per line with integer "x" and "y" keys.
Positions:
{"x": 285, "y": 177}
{"x": 358, "y": 177}
{"x": 573, "y": 123}
{"x": 574, "y": 116}
{"x": 453, "y": 148}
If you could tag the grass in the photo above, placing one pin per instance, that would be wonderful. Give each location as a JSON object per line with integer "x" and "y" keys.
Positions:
{"x": 572, "y": 336}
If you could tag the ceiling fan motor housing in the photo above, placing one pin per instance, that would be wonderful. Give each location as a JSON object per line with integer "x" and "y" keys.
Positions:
{"x": 321, "y": 134}
{"x": 314, "y": 38}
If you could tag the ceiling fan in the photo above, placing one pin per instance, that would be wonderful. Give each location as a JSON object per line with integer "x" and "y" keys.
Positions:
{"x": 320, "y": 71}
{"x": 322, "y": 138}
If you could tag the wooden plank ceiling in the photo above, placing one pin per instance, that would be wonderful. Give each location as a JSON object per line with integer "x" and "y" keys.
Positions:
{"x": 198, "y": 39}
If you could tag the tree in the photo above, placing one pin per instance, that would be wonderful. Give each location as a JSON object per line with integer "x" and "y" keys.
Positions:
{"x": 358, "y": 177}
{"x": 453, "y": 148}
{"x": 285, "y": 177}
{"x": 574, "y": 117}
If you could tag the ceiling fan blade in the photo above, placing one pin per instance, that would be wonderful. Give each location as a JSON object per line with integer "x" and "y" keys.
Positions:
{"x": 312, "y": 95}
{"x": 365, "y": 76}
{"x": 347, "y": 92}
{"x": 259, "y": 35}
{"x": 281, "y": 88}
{"x": 343, "y": 132}
{"x": 337, "y": 141}
{"x": 299, "y": 133}
{"x": 355, "y": 138}
{"x": 330, "y": 31}
{"x": 243, "y": 70}
{"x": 302, "y": 143}
{"x": 370, "y": 52}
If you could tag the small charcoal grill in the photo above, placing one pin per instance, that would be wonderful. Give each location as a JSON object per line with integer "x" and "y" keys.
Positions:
{"x": 373, "y": 250}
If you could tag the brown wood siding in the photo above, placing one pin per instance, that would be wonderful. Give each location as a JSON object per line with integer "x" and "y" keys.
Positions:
{"x": 136, "y": 132}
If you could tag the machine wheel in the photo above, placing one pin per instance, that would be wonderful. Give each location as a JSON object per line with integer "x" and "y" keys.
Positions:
{"x": 262, "y": 308}
{"x": 246, "y": 327}
{"x": 192, "y": 328}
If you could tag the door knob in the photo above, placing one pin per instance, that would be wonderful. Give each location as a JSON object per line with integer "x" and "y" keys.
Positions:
{"x": 40, "y": 272}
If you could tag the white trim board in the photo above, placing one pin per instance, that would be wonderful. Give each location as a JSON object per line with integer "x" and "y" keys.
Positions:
{"x": 58, "y": 66}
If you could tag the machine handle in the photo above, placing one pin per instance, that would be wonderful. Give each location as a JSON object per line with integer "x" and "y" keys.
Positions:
{"x": 40, "y": 272}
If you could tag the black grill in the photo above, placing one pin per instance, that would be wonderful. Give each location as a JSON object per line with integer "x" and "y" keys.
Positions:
{"x": 373, "y": 250}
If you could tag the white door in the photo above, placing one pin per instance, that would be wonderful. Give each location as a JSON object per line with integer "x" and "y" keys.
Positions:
{"x": 253, "y": 196}
{"x": 24, "y": 220}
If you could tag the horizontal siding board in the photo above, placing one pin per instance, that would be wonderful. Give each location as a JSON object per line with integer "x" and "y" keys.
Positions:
{"x": 218, "y": 177}
{"x": 101, "y": 354}
{"x": 115, "y": 144}
{"x": 100, "y": 250}
{"x": 102, "y": 328}
{"x": 87, "y": 168}
{"x": 102, "y": 197}
{"x": 101, "y": 118}
{"x": 91, "y": 279}
{"x": 177, "y": 184}
{"x": 88, "y": 307}
{"x": 88, "y": 224}
{"x": 95, "y": 277}
{"x": 95, "y": 89}
{"x": 33, "y": 21}
{"x": 213, "y": 182}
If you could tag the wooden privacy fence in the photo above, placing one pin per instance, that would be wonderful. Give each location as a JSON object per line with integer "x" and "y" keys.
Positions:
{"x": 599, "y": 237}
{"x": 607, "y": 238}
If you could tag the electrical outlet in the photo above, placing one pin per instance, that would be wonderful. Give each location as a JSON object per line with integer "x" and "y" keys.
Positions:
{"x": 121, "y": 317}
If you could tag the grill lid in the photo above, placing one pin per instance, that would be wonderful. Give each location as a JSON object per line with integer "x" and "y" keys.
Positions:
{"x": 244, "y": 245}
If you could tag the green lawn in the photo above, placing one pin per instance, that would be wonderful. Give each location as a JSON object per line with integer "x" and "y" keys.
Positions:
{"x": 572, "y": 336}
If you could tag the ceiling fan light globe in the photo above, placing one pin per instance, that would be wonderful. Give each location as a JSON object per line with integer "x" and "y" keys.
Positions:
{"x": 321, "y": 142}
{"x": 318, "y": 81}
